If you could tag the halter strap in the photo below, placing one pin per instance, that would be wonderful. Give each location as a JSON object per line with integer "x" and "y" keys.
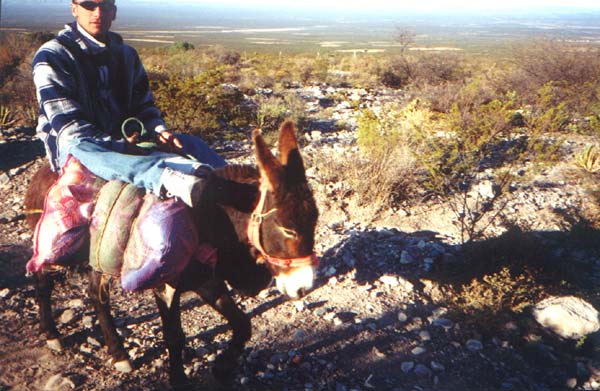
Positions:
{"x": 256, "y": 220}
{"x": 254, "y": 237}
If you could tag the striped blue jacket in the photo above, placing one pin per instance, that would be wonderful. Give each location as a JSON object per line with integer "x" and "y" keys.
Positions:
{"x": 86, "y": 90}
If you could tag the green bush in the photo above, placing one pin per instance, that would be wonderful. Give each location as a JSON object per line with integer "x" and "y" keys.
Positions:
{"x": 181, "y": 46}
{"x": 201, "y": 104}
{"x": 273, "y": 110}
{"x": 473, "y": 128}
{"x": 388, "y": 149}
{"x": 495, "y": 297}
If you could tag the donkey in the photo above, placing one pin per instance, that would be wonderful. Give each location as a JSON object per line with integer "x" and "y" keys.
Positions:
{"x": 265, "y": 228}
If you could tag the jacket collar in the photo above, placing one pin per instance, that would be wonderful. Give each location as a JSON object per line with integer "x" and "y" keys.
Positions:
{"x": 86, "y": 42}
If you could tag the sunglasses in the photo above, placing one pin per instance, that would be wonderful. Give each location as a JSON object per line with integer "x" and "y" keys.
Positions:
{"x": 91, "y": 6}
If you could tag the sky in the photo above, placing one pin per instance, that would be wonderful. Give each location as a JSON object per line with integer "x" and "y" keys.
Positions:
{"x": 418, "y": 5}
{"x": 362, "y": 5}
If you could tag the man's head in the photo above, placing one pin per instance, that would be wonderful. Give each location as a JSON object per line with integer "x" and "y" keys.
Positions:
{"x": 95, "y": 16}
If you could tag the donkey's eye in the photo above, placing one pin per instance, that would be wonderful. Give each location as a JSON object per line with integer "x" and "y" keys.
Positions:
{"x": 289, "y": 233}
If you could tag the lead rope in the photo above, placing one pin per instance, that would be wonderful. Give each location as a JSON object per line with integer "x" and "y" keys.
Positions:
{"x": 256, "y": 220}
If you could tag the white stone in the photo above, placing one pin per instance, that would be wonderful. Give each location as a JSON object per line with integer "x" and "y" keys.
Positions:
{"x": 4, "y": 293}
{"x": 329, "y": 316}
{"x": 67, "y": 316}
{"x": 76, "y": 303}
{"x": 405, "y": 284}
{"x": 487, "y": 189}
{"x": 59, "y": 383}
{"x": 389, "y": 280}
{"x": 87, "y": 321}
{"x": 568, "y": 316}
{"x": 300, "y": 305}
{"x": 123, "y": 366}
{"x": 54, "y": 344}
{"x": 402, "y": 317}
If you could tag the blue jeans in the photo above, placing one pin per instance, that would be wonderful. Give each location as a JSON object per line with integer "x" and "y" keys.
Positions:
{"x": 107, "y": 160}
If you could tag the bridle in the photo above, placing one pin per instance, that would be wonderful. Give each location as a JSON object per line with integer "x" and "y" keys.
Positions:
{"x": 258, "y": 215}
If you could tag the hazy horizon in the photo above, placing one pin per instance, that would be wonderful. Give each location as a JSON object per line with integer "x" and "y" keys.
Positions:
{"x": 278, "y": 24}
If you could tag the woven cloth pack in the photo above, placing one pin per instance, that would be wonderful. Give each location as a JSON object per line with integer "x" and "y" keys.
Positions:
{"x": 63, "y": 226}
{"x": 138, "y": 237}
{"x": 144, "y": 240}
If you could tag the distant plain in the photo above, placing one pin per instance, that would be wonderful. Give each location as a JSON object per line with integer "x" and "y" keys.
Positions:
{"x": 146, "y": 24}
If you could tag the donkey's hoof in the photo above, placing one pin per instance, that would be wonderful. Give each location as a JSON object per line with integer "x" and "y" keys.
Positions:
{"x": 123, "y": 366}
{"x": 54, "y": 344}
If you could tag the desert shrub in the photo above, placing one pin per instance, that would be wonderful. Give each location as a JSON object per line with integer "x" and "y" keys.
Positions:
{"x": 372, "y": 185}
{"x": 475, "y": 124}
{"x": 265, "y": 71}
{"x": 560, "y": 82}
{"x": 547, "y": 60}
{"x": 388, "y": 151}
{"x": 391, "y": 79}
{"x": 270, "y": 113}
{"x": 392, "y": 126}
{"x": 9, "y": 60}
{"x": 181, "y": 46}
{"x": 398, "y": 73}
{"x": 441, "y": 97}
{"x": 364, "y": 70}
{"x": 16, "y": 49}
{"x": 549, "y": 113}
{"x": 477, "y": 135}
{"x": 436, "y": 69}
{"x": 273, "y": 110}
{"x": 224, "y": 56}
{"x": 489, "y": 299}
{"x": 200, "y": 104}
{"x": 16, "y": 52}
{"x": 312, "y": 71}
{"x": 422, "y": 70}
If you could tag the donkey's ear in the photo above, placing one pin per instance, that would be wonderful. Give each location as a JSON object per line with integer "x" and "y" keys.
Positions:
{"x": 287, "y": 140}
{"x": 289, "y": 154}
{"x": 270, "y": 168}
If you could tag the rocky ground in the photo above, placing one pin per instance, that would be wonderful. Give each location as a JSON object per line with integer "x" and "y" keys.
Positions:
{"x": 380, "y": 317}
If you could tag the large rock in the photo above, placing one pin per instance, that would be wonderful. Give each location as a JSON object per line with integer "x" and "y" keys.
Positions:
{"x": 570, "y": 317}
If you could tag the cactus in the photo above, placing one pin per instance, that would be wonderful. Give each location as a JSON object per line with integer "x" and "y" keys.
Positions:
{"x": 589, "y": 159}
{"x": 29, "y": 116}
{"x": 7, "y": 117}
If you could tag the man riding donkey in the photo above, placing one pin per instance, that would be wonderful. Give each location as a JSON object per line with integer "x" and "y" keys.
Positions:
{"x": 88, "y": 82}
{"x": 98, "y": 122}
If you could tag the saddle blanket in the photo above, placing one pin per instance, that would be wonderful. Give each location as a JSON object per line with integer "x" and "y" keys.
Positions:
{"x": 139, "y": 237}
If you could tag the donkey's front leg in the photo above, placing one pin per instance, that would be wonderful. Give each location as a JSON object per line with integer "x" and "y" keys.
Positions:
{"x": 167, "y": 300}
{"x": 44, "y": 284}
{"x": 216, "y": 294}
{"x": 99, "y": 294}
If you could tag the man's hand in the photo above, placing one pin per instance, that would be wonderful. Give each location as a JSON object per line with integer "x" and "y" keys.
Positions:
{"x": 133, "y": 138}
{"x": 168, "y": 142}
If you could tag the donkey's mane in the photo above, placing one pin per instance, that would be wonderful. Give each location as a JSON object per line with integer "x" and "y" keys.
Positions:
{"x": 243, "y": 173}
